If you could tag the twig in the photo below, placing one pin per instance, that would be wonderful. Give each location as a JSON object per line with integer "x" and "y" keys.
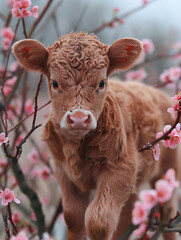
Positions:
{"x": 5, "y": 219}
{"x": 39, "y": 18}
{"x": 32, "y": 196}
{"x": 123, "y": 16}
{"x": 164, "y": 136}
{"x": 10, "y": 219}
{"x": 51, "y": 15}
{"x": 77, "y": 24}
{"x": 36, "y": 100}
{"x": 28, "y": 117}
{"x": 24, "y": 28}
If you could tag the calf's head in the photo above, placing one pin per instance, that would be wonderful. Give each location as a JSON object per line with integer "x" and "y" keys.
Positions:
{"x": 77, "y": 67}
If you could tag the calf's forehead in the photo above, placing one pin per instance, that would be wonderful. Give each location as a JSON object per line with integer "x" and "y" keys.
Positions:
{"x": 78, "y": 51}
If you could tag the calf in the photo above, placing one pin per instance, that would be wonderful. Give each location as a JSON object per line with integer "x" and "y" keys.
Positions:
{"x": 96, "y": 128}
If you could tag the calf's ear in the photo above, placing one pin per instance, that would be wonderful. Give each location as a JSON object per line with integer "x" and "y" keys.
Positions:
{"x": 31, "y": 54}
{"x": 123, "y": 53}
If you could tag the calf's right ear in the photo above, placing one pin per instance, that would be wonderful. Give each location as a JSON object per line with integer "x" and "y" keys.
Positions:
{"x": 31, "y": 54}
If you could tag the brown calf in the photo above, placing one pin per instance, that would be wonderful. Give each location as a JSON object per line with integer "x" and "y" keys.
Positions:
{"x": 96, "y": 128}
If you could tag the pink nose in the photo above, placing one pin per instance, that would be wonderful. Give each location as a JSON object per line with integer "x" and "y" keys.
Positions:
{"x": 78, "y": 120}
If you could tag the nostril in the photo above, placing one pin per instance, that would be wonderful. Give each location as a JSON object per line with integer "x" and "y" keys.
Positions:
{"x": 88, "y": 120}
{"x": 69, "y": 120}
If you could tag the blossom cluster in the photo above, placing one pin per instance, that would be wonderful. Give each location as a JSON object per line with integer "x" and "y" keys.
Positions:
{"x": 8, "y": 196}
{"x": 3, "y": 138}
{"x": 171, "y": 76}
{"x": 149, "y": 198}
{"x": 20, "y": 8}
{"x": 174, "y": 138}
{"x": 8, "y": 35}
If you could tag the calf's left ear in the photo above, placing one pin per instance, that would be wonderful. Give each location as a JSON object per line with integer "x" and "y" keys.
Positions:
{"x": 31, "y": 54}
{"x": 123, "y": 53}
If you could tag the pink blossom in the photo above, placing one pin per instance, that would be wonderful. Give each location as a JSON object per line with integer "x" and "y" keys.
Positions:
{"x": 116, "y": 9}
{"x": 20, "y": 236}
{"x": 26, "y": 13}
{"x": 21, "y": 9}
{"x": 140, "y": 230}
{"x": 16, "y": 12}
{"x": 45, "y": 173}
{"x": 6, "y": 43}
{"x": 16, "y": 217}
{"x": 33, "y": 216}
{"x": 156, "y": 152}
{"x": 3, "y": 138}
{"x": 14, "y": 66}
{"x": 148, "y": 46}
{"x": 8, "y": 85}
{"x": 175, "y": 73}
{"x": 170, "y": 177}
{"x": 149, "y": 198}
{"x": 175, "y": 139}
{"x": 8, "y": 196}
{"x": 139, "y": 75}
{"x": 177, "y": 104}
{"x": 34, "y": 11}
{"x": 3, "y": 162}
{"x": 29, "y": 106}
{"x": 25, "y": 3}
{"x": 139, "y": 213}
{"x": 177, "y": 46}
{"x": 33, "y": 156}
{"x": 164, "y": 190}
{"x": 8, "y": 33}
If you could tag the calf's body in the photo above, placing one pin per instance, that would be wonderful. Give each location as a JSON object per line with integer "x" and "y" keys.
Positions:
{"x": 96, "y": 128}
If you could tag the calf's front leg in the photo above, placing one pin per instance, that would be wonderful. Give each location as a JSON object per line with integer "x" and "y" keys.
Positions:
{"x": 75, "y": 203}
{"x": 102, "y": 215}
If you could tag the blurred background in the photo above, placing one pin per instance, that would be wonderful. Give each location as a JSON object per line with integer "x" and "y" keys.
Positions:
{"x": 156, "y": 20}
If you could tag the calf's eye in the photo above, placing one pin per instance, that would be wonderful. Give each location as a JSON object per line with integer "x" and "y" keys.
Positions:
{"x": 55, "y": 84}
{"x": 101, "y": 84}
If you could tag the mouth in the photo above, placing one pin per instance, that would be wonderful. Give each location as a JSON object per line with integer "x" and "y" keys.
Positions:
{"x": 77, "y": 132}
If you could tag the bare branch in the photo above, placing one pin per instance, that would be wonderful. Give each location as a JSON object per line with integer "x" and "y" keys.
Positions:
{"x": 118, "y": 19}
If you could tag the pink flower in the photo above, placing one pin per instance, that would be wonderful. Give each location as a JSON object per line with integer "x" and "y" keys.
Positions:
{"x": 177, "y": 105}
{"x": 25, "y": 3}
{"x": 139, "y": 75}
{"x": 170, "y": 177}
{"x": 16, "y": 217}
{"x": 3, "y": 139}
{"x": 3, "y": 162}
{"x": 45, "y": 173}
{"x": 5, "y": 44}
{"x": 8, "y": 85}
{"x": 148, "y": 46}
{"x": 14, "y": 66}
{"x": 164, "y": 190}
{"x": 33, "y": 156}
{"x": 149, "y": 198}
{"x": 156, "y": 152}
{"x": 33, "y": 216}
{"x": 113, "y": 24}
{"x": 139, "y": 213}
{"x": 140, "y": 230}
{"x": 175, "y": 73}
{"x": 8, "y": 33}
{"x": 116, "y": 10}
{"x": 34, "y": 11}
{"x": 26, "y": 13}
{"x": 29, "y": 106}
{"x": 177, "y": 46}
{"x": 16, "y": 12}
{"x": 20, "y": 236}
{"x": 175, "y": 139}
{"x": 166, "y": 142}
{"x": 8, "y": 196}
